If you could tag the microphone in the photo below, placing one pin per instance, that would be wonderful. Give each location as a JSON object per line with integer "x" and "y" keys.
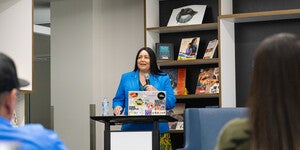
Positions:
{"x": 147, "y": 77}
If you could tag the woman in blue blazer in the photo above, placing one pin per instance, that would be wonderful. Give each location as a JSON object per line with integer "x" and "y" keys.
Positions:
{"x": 145, "y": 64}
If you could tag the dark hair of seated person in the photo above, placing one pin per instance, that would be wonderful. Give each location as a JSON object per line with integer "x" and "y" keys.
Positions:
{"x": 274, "y": 97}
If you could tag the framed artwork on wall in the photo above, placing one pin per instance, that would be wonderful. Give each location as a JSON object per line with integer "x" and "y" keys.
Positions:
{"x": 187, "y": 15}
{"x": 164, "y": 51}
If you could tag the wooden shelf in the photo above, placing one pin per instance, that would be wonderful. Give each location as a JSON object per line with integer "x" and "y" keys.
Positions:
{"x": 176, "y": 131}
{"x": 185, "y": 28}
{"x": 187, "y": 62}
{"x": 197, "y": 96}
{"x": 262, "y": 16}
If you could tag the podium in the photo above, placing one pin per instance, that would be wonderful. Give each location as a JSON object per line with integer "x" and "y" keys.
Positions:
{"x": 113, "y": 120}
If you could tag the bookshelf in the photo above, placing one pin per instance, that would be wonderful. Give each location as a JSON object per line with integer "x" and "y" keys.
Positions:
{"x": 242, "y": 25}
{"x": 239, "y": 25}
{"x": 157, "y": 13}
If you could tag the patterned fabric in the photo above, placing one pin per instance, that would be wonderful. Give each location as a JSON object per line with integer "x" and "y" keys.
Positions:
{"x": 165, "y": 141}
{"x": 235, "y": 135}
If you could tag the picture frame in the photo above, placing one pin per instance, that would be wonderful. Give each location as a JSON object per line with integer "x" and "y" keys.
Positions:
{"x": 187, "y": 15}
{"x": 164, "y": 51}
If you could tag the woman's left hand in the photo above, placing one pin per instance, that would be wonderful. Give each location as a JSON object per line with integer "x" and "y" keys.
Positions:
{"x": 150, "y": 88}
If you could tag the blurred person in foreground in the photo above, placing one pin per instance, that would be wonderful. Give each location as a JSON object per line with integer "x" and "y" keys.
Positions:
{"x": 273, "y": 102}
{"x": 145, "y": 63}
{"x": 29, "y": 136}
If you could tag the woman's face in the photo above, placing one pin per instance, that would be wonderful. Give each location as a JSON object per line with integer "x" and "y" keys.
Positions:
{"x": 143, "y": 61}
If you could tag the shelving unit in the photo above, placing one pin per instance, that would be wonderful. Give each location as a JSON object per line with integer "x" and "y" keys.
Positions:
{"x": 262, "y": 16}
{"x": 157, "y": 13}
{"x": 185, "y": 28}
{"x": 188, "y": 63}
{"x": 240, "y": 25}
{"x": 157, "y": 31}
{"x": 197, "y": 96}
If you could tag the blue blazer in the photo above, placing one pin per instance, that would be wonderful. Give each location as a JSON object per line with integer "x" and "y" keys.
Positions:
{"x": 130, "y": 82}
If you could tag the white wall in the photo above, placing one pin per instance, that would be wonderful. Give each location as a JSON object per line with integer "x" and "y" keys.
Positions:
{"x": 92, "y": 43}
{"x": 72, "y": 70}
{"x": 16, "y": 35}
{"x": 118, "y": 34}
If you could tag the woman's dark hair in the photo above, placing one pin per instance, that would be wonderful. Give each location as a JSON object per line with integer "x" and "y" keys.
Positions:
{"x": 153, "y": 64}
{"x": 191, "y": 45}
{"x": 193, "y": 40}
{"x": 274, "y": 97}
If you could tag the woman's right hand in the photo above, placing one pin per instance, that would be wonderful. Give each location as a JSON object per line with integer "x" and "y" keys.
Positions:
{"x": 117, "y": 110}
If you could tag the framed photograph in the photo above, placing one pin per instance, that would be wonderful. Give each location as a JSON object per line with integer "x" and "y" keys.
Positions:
{"x": 164, "y": 51}
{"x": 187, "y": 15}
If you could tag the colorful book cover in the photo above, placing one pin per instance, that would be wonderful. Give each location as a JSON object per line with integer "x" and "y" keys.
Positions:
{"x": 177, "y": 79}
{"x": 208, "y": 81}
{"x": 177, "y": 112}
{"x": 173, "y": 74}
{"x": 164, "y": 51}
{"x": 188, "y": 48}
{"x": 211, "y": 48}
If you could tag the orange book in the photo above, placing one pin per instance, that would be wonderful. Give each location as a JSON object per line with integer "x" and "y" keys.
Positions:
{"x": 181, "y": 81}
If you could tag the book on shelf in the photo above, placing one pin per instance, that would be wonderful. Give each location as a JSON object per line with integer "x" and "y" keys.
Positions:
{"x": 177, "y": 79}
{"x": 211, "y": 48}
{"x": 187, "y": 15}
{"x": 181, "y": 81}
{"x": 173, "y": 74}
{"x": 177, "y": 112}
{"x": 188, "y": 48}
{"x": 164, "y": 51}
{"x": 208, "y": 81}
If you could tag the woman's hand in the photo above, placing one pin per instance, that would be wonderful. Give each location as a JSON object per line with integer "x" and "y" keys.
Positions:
{"x": 117, "y": 110}
{"x": 150, "y": 88}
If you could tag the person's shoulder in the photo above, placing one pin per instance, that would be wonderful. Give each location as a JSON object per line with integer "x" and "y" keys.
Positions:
{"x": 42, "y": 137}
{"x": 127, "y": 75}
{"x": 237, "y": 126}
{"x": 236, "y": 130}
{"x": 238, "y": 122}
{"x": 131, "y": 73}
{"x": 165, "y": 76}
{"x": 33, "y": 129}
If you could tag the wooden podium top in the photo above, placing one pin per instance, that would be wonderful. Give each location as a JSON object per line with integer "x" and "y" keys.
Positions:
{"x": 133, "y": 119}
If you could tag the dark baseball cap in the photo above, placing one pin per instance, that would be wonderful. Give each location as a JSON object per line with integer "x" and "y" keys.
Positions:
{"x": 8, "y": 75}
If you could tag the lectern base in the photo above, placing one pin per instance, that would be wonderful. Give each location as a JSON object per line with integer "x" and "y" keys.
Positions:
{"x": 127, "y": 140}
